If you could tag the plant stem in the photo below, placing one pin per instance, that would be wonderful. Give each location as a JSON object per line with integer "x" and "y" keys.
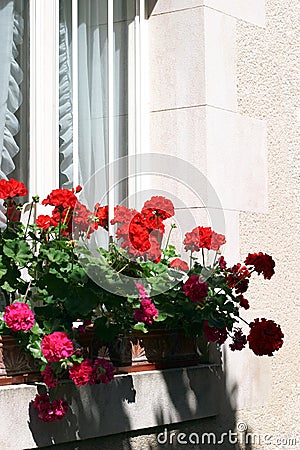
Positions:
{"x": 29, "y": 217}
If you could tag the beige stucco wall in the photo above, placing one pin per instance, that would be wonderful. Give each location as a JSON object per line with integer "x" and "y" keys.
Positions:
{"x": 268, "y": 88}
{"x": 224, "y": 86}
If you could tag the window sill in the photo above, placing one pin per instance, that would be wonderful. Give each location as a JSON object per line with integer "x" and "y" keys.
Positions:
{"x": 131, "y": 402}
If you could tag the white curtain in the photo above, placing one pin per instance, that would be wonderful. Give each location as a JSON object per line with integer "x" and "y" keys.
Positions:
{"x": 93, "y": 92}
{"x": 11, "y": 76}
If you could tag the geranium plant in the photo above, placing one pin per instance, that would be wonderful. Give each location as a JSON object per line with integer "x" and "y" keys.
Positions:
{"x": 139, "y": 282}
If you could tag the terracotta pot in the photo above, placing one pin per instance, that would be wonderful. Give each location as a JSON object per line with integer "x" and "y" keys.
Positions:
{"x": 157, "y": 349}
{"x": 16, "y": 365}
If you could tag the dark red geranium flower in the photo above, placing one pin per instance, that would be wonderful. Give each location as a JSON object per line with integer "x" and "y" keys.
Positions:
{"x": 101, "y": 213}
{"x": 49, "y": 377}
{"x": 12, "y": 188}
{"x": 265, "y": 337}
{"x": 222, "y": 263}
{"x": 80, "y": 373}
{"x": 146, "y": 312}
{"x": 178, "y": 263}
{"x": 214, "y": 334}
{"x": 103, "y": 371}
{"x": 50, "y": 411}
{"x": 195, "y": 288}
{"x": 262, "y": 263}
{"x": 159, "y": 206}
{"x": 243, "y": 301}
{"x": 239, "y": 340}
{"x": 238, "y": 278}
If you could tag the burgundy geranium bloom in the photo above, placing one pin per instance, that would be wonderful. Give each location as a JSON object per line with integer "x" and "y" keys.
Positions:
{"x": 195, "y": 288}
{"x": 238, "y": 278}
{"x": 80, "y": 373}
{"x": 103, "y": 371}
{"x": 262, "y": 263}
{"x": 265, "y": 337}
{"x": 146, "y": 312}
{"x": 239, "y": 340}
{"x": 214, "y": 334}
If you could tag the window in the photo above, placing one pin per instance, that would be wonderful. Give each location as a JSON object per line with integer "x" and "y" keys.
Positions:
{"x": 78, "y": 66}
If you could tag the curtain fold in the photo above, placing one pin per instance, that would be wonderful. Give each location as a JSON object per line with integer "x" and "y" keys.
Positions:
{"x": 11, "y": 76}
{"x": 65, "y": 96}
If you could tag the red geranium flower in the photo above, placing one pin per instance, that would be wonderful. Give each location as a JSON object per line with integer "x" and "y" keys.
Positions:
{"x": 159, "y": 206}
{"x": 199, "y": 237}
{"x": 265, "y": 337}
{"x": 12, "y": 188}
{"x": 214, "y": 334}
{"x": 45, "y": 222}
{"x": 80, "y": 373}
{"x": 203, "y": 237}
{"x": 101, "y": 213}
{"x": 217, "y": 240}
{"x": 262, "y": 263}
{"x": 63, "y": 198}
{"x": 123, "y": 215}
{"x": 138, "y": 234}
{"x": 195, "y": 288}
{"x": 178, "y": 263}
{"x": 57, "y": 346}
{"x": 18, "y": 317}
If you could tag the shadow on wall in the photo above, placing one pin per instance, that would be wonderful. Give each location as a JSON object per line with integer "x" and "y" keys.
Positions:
{"x": 85, "y": 417}
{"x": 220, "y": 431}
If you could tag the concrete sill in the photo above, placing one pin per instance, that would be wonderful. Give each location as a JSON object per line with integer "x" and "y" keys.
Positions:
{"x": 131, "y": 402}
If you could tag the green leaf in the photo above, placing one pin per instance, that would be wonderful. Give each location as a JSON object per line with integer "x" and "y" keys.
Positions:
{"x": 6, "y": 287}
{"x": 140, "y": 326}
{"x": 3, "y": 269}
{"x": 18, "y": 251}
{"x": 161, "y": 317}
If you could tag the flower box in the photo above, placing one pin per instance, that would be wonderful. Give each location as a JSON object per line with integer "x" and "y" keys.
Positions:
{"x": 16, "y": 365}
{"x": 157, "y": 349}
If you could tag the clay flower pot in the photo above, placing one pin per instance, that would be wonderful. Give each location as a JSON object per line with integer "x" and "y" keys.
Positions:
{"x": 16, "y": 365}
